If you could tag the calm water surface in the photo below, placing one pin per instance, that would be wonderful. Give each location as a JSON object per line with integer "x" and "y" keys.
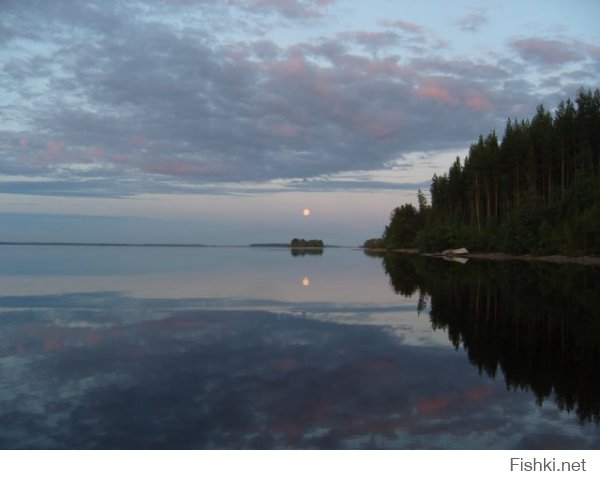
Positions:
{"x": 131, "y": 347}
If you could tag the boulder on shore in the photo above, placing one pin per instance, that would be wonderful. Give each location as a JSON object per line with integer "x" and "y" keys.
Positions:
{"x": 455, "y": 251}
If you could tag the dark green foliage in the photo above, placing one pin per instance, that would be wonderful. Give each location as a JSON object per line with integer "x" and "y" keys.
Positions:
{"x": 537, "y": 191}
{"x": 302, "y": 243}
{"x": 405, "y": 222}
{"x": 374, "y": 243}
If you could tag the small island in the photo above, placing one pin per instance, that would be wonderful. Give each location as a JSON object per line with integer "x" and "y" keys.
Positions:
{"x": 301, "y": 247}
{"x": 301, "y": 243}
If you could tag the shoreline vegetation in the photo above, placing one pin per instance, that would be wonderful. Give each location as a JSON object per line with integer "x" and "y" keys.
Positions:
{"x": 533, "y": 195}
{"x": 301, "y": 243}
{"x": 296, "y": 243}
{"x": 499, "y": 256}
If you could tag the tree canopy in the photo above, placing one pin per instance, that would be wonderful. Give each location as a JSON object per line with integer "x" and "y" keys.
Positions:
{"x": 302, "y": 243}
{"x": 537, "y": 190}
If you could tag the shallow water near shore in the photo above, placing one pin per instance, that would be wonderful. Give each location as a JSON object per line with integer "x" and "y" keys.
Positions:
{"x": 212, "y": 348}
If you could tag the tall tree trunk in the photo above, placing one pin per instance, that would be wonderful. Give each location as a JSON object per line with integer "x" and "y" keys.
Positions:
{"x": 488, "y": 194}
{"x": 477, "y": 200}
{"x": 562, "y": 172}
{"x": 517, "y": 192}
{"x": 496, "y": 201}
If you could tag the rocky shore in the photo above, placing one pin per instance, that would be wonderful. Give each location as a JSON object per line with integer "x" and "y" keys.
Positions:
{"x": 559, "y": 259}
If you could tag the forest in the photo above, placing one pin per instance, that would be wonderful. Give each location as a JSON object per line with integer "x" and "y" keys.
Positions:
{"x": 535, "y": 191}
{"x": 302, "y": 243}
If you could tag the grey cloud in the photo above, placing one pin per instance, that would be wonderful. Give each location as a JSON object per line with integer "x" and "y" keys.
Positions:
{"x": 145, "y": 101}
{"x": 6, "y": 33}
{"x": 77, "y": 188}
{"x": 373, "y": 40}
{"x": 547, "y": 51}
{"x": 405, "y": 26}
{"x": 346, "y": 185}
{"x": 294, "y": 9}
{"x": 474, "y": 21}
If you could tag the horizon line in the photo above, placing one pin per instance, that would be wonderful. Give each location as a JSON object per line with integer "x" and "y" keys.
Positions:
{"x": 126, "y": 244}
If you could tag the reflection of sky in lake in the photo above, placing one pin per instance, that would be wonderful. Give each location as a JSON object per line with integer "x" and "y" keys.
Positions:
{"x": 344, "y": 285}
{"x": 91, "y": 359}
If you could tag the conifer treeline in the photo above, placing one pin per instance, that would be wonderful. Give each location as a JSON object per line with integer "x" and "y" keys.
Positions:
{"x": 302, "y": 243}
{"x": 535, "y": 191}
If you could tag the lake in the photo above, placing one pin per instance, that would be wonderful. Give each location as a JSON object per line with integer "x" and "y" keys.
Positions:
{"x": 259, "y": 348}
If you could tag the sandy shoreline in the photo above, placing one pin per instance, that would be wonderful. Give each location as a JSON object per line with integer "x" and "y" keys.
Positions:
{"x": 559, "y": 259}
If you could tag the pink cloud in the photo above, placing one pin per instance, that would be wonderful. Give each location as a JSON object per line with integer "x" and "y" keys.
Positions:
{"x": 434, "y": 406}
{"x": 54, "y": 147}
{"x": 182, "y": 168}
{"x": 593, "y": 50}
{"x": 292, "y": 66}
{"x": 478, "y": 393}
{"x": 434, "y": 92}
{"x": 55, "y": 151}
{"x": 479, "y": 103}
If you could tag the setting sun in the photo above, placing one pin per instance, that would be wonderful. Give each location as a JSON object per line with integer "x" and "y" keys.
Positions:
{"x": 306, "y": 212}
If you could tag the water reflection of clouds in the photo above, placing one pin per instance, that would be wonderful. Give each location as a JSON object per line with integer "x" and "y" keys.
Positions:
{"x": 222, "y": 354}
{"x": 105, "y": 309}
{"x": 250, "y": 379}
{"x": 404, "y": 323}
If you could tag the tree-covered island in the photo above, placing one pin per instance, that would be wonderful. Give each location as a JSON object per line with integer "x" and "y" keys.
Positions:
{"x": 302, "y": 243}
{"x": 535, "y": 191}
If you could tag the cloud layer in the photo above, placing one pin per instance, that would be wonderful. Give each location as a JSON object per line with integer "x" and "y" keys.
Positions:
{"x": 148, "y": 96}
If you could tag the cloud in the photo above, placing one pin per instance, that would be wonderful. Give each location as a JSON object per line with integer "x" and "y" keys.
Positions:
{"x": 546, "y": 51}
{"x": 479, "y": 103}
{"x": 437, "y": 93}
{"x": 292, "y": 9}
{"x": 373, "y": 40}
{"x": 272, "y": 384}
{"x": 156, "y": 99}
{"x": 408, "y": 27}
{"x": 473, "y": 22}
{"x": 352, "y": 185}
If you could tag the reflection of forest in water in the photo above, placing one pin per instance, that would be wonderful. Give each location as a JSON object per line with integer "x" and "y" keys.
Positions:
{"x": 538, "y": 323}
{"x": 300, "y": 252}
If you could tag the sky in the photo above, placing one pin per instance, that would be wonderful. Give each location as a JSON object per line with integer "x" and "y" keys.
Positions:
{"x": 220, "y": 121}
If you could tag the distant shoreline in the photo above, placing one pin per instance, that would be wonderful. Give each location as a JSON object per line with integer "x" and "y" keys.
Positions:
{"x": 287, "y": 245}
{"x": 85, "y": 244}
{"x": 498, "y": 256}
{"x": 178, "y": 245}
